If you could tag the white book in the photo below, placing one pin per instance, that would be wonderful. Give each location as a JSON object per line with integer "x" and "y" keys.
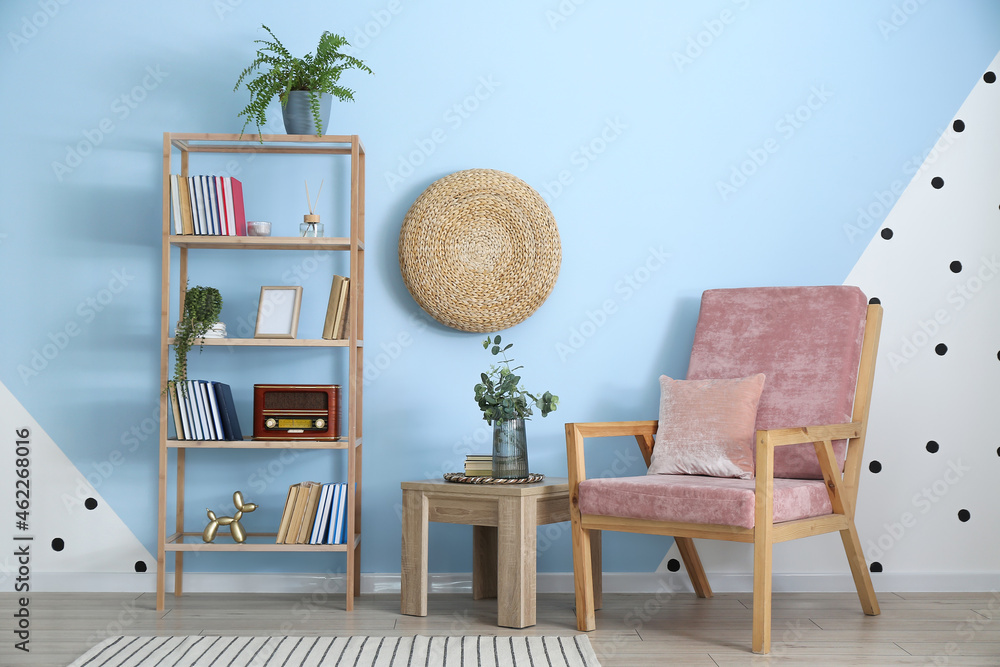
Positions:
{"x": 175, "y": 204}
{"x": 331, "y": 534}
{"x": 185, "y": 402}
{"x": 192, "y": 397}
{"x": 322, "y": 513}
{"x": 220, "y": 198}
{"x": 207, "y": 410}
{"x": 227, "y": 185}
{"x": 220, "y": 433}
{"x": 342, "y": 516}
{"x": 198, "y": 205}
{"x": 210, "y": 206}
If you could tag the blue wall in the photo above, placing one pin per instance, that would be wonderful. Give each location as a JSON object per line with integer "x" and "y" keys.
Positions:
{"x": 681, "y": 146}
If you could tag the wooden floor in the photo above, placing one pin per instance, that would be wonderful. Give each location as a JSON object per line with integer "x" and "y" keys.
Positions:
{"x": 643, "y": 629}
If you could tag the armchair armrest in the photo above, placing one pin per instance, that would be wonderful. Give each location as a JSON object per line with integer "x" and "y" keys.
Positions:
{"x": 644, "y": 432}
{"x": 808, "y": 434}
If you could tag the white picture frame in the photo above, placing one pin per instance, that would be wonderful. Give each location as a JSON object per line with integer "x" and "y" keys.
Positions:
{"x": 278, "y": 312}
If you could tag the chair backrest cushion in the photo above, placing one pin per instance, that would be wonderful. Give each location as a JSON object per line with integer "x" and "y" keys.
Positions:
{"x": 806, "y": 340}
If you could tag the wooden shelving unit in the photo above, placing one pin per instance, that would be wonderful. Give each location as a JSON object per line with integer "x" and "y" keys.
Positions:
{"x": 180, "y": 541}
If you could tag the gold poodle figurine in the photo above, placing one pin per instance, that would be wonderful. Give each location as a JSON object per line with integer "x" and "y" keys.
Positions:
{"x": 235, "y": 527}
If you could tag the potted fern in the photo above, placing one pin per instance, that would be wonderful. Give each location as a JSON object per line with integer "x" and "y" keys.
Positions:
{"x": 304, "y": 85}
{"x": 202, "y": 306}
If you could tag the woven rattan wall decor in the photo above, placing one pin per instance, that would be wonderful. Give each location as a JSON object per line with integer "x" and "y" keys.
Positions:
{"x": 479, "y": 250}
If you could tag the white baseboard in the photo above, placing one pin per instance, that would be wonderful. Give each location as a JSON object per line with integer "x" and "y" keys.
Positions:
{"x": 547, "y": 582}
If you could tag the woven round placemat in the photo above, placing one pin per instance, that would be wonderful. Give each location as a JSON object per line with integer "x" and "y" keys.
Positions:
{"x": 479, "y": 250}
{"x": 460, "y": 477}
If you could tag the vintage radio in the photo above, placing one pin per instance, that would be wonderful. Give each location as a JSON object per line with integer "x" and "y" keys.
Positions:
{"x": 291, "y": 411}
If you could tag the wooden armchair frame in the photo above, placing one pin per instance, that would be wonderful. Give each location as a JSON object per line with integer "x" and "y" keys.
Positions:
{"x": 842, "y": 488}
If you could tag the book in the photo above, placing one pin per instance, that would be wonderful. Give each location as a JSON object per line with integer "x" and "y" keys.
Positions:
{"x": 182, "y": 400}
{"x": 209, "y": 417}
{"x": 175, "y": 410}
{"x": 227, "y": 187}
{"x": 197, "y": 205}
{"x": 227, "y": 410}
{"x": 238, "y": 212}
{"x": 338, "y": 496}
{"x": 220, "y": 198}
{"x": 220, "y": 433}
{"x": 192, "y": 399}
{"x": 286, "y": 513}
{"x": 175, "y": 204}
{"x": 338, "y": 292}
{"x": 312, "y": 504}
{"x": 329, "y": 534}
{"x": 177, "y": 396}
{"x": 298, "y": 510}
{"x": 343, "y": 308}
{"x": 212, "y": 205}
{"x": 187, "y": 226}
{"x": 322, "y": 514}
{"x": 340, "y": 516}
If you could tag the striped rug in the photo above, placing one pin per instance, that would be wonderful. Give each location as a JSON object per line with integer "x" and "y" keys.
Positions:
{"x": 211, "y": 651}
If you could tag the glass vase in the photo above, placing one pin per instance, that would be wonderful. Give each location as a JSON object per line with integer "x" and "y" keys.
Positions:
{"x": 510, "y": 449}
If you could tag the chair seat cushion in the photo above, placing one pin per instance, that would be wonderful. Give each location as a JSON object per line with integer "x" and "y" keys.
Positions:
{"x": 698, "y": 499}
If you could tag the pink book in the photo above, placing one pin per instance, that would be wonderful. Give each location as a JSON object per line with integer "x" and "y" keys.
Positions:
{"x": 238, "y": 212}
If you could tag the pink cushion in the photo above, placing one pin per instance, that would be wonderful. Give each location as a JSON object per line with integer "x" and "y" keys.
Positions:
{"x": 806, "y": 340}
{"x": 697, "y": 499}
{"x": 706, "y": 427}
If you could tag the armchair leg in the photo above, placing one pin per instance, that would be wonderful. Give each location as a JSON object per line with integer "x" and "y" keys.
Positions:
{"x": 596, "y": 568}
{"x": 762, "y": 590}
{"x": 862, "y": 580}
{"x": 583, "y": 578}
{"x": 692, "y": 563}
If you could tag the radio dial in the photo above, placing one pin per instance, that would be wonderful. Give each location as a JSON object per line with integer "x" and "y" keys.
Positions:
{"x": 271, "y": 422}
{"x": 320, "y": 423}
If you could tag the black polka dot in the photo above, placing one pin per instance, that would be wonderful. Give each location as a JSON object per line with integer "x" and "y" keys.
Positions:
{"x": 989, "y": 77}
{"x": 140, "y": 566}
{"x": 875, "y": 566}
{"x": 875, "y": 467}
{"x": 887, "y": 233}
{"x": 958, "y": 126}
{"x": 998, "y": 451}
{"x": 90, "y": 503}
{"x": 941, "y": 349}
{"x": 956, "y": 266}
{"x": 964, "y": 515}
{"x": 874, "y": 300}
{"x": 58, "y": 544}
{"x": 937, "y": 182}
{"x": 932, "y": 446}
{"x": 673, "y": 565}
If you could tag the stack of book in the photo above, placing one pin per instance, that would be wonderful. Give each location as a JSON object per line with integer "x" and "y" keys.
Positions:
{"x": 335, "y": 326}
{"x": 207, "y": 205}
{"x": 478, "y": 465}
{"x": 314, "y": 514}
{"x": 203, "y": 411}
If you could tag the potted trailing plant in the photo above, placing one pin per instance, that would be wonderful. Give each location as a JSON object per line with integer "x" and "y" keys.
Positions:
{"x": 202, "y": 306}
{"x": 505, "y": 404}
{"x": 303, "y": 85}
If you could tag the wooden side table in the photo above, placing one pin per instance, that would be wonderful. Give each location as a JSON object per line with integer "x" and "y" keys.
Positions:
{"x": 504, "y": 518}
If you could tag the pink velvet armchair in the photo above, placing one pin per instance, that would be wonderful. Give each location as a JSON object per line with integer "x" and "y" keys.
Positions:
{"x": 816, "y": 348}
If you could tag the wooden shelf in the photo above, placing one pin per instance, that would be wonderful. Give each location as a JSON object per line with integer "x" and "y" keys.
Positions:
{"x": 261, "y": 242}
{"x": 329, "y": 144}
{"x": 175, "y": 258}
{"x": 271, "y": 342}
{"x": 247, "y": 443}
{"x": 255, "y": 542}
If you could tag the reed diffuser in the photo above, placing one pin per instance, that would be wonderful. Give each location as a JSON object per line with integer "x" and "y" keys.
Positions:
{"x": 311, "y": 226}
